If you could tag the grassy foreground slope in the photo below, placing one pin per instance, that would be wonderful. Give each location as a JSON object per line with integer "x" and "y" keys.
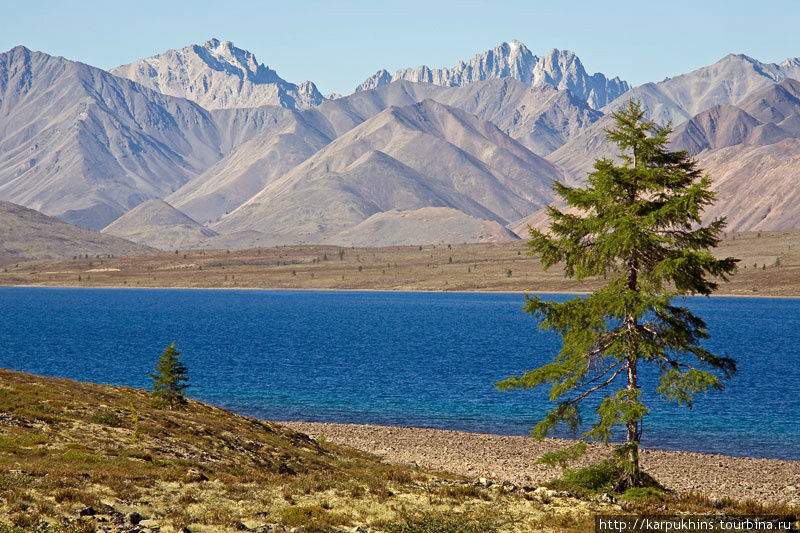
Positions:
{"x": 81, "y": 457}
{"x": 85, "y": 457}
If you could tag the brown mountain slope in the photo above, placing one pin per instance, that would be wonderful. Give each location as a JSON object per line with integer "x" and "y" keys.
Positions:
{"x": 766, "y": 117}
{"x": 727, "y": 81}
{"x": 285, "y": 140}
{"x": 758, "y": 187}
{"x": 541, "y": 118}
{"x": 751, "y": 151}
{"x": 85, "y": 146}
{"x": 425, "y": 155}
{"x": 428, "y": 225}
{"x": 27, "y": 234}
{"x": 156, "y": 223}
{"x": 676, "y": 100}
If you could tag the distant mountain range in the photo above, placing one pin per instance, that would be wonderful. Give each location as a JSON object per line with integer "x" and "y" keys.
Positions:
{"x": 560, "y": 69}
{"x": 206, "y": 147}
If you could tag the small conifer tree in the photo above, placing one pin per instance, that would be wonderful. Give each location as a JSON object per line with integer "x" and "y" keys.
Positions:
{"x": 638, "y": 225}
{"x": 169, "y": 380}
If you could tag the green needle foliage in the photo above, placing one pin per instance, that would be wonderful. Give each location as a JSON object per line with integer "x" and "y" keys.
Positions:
{"x": 168, "y": 381}
{"x": 638, "y": 225}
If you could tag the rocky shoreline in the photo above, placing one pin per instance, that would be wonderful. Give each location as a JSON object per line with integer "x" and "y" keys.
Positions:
{"x": 512, "y": 458}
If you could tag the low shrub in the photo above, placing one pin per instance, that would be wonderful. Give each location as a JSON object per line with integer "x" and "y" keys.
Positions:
{"x": 310, "y": 517}
{"x": 607, "y": 475}
{"x": 106, "y": 417}
{"x": 647, "y": 494}
{"x": 17, "y": 443}
{"x": 463, "y": 493}
{"x": 435, "y": 522}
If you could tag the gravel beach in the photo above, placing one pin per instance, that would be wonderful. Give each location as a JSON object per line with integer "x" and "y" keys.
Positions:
{"x": 512, "y": 458}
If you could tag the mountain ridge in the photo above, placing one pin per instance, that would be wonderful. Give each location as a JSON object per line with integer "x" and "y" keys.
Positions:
{"x": 560, "y": 69}
{"x": 88, "y": 146}
{"x": 759, "y": 136}
{"x": 678, "y": 98}
{"x": 437, "y": 156}
{"x": 81, "y": 144}
{"x": 218, "y": 75}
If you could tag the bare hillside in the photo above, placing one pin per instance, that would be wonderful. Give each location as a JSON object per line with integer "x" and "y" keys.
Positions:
{"x": 27, "y": 234}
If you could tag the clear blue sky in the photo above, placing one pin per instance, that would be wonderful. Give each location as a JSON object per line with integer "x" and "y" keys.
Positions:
{"x": 337, "y": 44}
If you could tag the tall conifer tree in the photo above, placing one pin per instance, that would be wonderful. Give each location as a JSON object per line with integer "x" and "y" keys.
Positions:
{"x": 638, "y": 225}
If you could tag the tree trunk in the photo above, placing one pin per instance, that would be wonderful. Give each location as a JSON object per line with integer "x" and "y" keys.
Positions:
{"x": 634, "y": 433}
{"x": 633, "y": 425}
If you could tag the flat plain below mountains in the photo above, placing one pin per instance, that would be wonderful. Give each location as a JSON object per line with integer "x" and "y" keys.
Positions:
{"x": 769, "y": 266}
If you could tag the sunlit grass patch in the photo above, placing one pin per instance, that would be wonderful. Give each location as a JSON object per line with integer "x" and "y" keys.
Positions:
{"x": 443, "y": 522}
{"x": 107, "y": 417}
{"x": 311, "y": 517}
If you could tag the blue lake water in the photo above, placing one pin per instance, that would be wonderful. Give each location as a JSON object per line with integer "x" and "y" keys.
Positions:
{"x": 412, "y": 359}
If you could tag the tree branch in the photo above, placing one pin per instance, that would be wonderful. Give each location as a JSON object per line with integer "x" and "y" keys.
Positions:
{"x": 600, "y": 386}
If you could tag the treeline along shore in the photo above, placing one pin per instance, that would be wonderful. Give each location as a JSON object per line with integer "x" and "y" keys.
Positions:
{"x": 769, "y": 266}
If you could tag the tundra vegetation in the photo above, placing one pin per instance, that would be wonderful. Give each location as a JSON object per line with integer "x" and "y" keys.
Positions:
{"x": 80, "y": 457}
{"x": 637, "y": 224}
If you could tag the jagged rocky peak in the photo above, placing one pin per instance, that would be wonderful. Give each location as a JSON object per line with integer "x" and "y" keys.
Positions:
{"x": 224, "y": 55}
{"x": 557, "y": 65}
{"x": 559, "y": 68}
{"x": 563, "y": 70}
{"x": 379, "y": 79}
{"x": 508, "y": 60}
{"x": 791, "y": 63}
{"x": 512, "y": 60}
{"x": 218, "y": 75}
{"x": 19, "y": 49}
{"x": 309, "y": 93}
